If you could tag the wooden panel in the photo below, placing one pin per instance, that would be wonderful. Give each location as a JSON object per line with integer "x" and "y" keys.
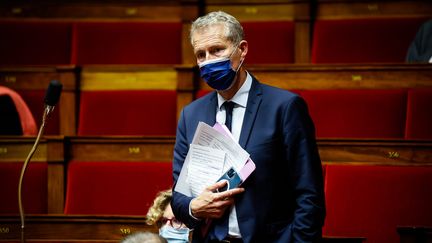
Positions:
{"x": 89, "y": 228}
{"x": 111, "y": 77}
{"x": 36, "y": 78}
{"x": 187, "y": 77}
{"x": 302, "y": 42}
{"x": 344, "y": 76}
{"x": 148, "y": 11}
{"x": 391, "y": 152}
{"x": 120, "y": 149}
{"x": 56, "y": 188}
{"x": 188, "y": 56}
{"x": 387, "y": 152}
{"x": 15, "y": 149}
{"x": 262, "y": 11}
{"x": 361, "y": 9}
{"x": 72, "y": 228}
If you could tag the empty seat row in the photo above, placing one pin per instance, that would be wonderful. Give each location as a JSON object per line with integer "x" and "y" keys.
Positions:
{"x": 337, "y": 113}
{"x": 362, "y": 113}
{"x": 369, "y": 113}
{"x": 101, "y": 187}
{"x": 333, "y": 41}
{"x": 60, "y": 43}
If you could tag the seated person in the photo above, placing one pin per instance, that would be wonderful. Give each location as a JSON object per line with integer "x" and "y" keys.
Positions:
{"x": 420, "y": 50}
{"x": 17, "y": 118}
{"x": 161, "y": 215}
{"x": 144, "y": 237}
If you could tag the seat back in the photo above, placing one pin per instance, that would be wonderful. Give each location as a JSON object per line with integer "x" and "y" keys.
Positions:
{"x": 366, "y": 40}
{"x": 127, "y": 43}
{"x": 34, "y": 190}
{"x": 419, "y": 115}
{"x": 128, "y": 112}
{"x": 270, "y": 42}
{"x": 371, "y": 201}
{"x": 115, "y": 188}
{"x": 363, "y": 113}
{"x": 35, "y": 42}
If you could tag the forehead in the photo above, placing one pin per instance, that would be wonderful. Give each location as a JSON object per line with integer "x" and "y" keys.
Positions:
{"x": 209, "y": 36}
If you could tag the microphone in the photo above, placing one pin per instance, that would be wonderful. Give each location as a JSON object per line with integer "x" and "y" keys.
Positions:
{"x": 52, "y": 97}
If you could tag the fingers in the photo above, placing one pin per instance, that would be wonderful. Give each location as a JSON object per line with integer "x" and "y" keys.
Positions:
{"x": 217, "y": 185}
{"x": 210, "y": 204}
{"x": 228, "y": 194}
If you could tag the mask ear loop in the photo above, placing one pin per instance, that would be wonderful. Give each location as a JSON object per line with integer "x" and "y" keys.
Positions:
{"x": 241, "y": 62}
{"x": 236, "y": 71}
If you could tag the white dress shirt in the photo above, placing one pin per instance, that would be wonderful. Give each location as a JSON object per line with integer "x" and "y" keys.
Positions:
{"x": 240, "y": 99}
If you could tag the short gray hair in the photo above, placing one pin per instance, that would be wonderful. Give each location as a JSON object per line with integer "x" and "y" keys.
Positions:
{"x": 233, "y": 29}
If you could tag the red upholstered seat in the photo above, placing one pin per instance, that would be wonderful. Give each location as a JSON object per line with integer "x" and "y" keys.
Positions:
{"x": 371, "y": 201}
{"x": 359, "y": 113}
{"x": 127, "y": 43}
{"x": 128, "y": 112}
{"x": 378, "y": 40}
{"x": 115, "y": 188}
{"x": 419, "y": 114}
{"x": 34, "y": 190}
{"x": 270, "y": 42}
{"x": 35, "y": 42}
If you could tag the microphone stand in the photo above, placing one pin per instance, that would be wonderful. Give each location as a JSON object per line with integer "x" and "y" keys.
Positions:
{"x": 46, "y": 115}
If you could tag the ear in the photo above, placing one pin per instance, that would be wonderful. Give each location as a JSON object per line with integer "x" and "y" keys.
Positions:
{"x": 243, "y": 46}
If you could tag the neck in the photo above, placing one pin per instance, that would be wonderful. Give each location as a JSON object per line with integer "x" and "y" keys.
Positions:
{"x": 240, "y": 79}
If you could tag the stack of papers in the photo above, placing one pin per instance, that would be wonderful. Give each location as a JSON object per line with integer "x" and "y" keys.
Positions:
{"x": 212, "y": 153}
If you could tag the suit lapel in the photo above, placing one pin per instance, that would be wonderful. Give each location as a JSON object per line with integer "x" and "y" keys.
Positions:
{"x": 254, "y": 101}
{"x": 210, "y": 117}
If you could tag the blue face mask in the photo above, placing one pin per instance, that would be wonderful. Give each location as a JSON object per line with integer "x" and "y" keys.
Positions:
{"x": 172, "y": 235}
{"x": 218, "y": 73}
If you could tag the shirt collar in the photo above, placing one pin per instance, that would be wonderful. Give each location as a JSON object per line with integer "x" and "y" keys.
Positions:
{"x": 241, "y": 97}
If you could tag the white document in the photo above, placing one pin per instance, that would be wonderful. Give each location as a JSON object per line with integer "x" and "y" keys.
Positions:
{"x": 207, "y": 158}
{"x": 205, "y": 167}
{"x": 236, "y": 156}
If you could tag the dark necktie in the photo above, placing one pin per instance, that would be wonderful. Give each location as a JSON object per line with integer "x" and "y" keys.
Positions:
{"x": 221, "y": 228}
{"x": 229, "y": 106}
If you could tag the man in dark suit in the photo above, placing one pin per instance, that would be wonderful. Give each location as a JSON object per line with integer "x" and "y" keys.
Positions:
{"x": 283, "y": 199}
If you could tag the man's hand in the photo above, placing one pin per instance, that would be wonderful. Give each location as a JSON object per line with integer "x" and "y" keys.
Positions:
{"x": 211, "y": 204}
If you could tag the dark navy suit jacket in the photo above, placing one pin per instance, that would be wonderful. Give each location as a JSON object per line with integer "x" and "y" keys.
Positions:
{"x": 283, "y": 199}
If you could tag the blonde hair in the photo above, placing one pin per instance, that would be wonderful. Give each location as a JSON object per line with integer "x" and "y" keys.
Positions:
{"x": 156, "y": 211}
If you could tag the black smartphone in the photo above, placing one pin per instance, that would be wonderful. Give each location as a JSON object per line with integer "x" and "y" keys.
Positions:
{"x": 232, "y": 178}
